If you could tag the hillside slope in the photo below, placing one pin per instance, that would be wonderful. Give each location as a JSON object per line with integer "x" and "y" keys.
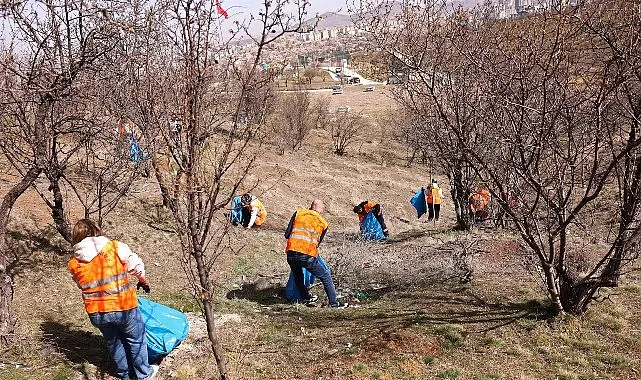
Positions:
{"x": 414, "y": 314}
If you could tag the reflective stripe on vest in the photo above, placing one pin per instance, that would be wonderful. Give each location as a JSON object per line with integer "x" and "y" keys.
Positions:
{"x": 109, "y": 292}
{"x": 305, "y": 234}
{"x": 307, "y": 229}
{"x": 104, "y": 281}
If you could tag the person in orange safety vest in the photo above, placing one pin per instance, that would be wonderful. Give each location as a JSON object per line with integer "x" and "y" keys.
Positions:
{"x": 365, "y": 207}
{"x": 101, "y": 268}
{"x": 478, "y": 202}
{"x": 304, "y": 234}
{"x": 433, "y": 198}
{"x": 253, "y": 211}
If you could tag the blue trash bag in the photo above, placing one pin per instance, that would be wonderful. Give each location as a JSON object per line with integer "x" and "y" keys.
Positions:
{"x": 291, "y": 291}
{"x": 166, "y": 328}
{"x": 135, "y": 151}
{"x": 371, "y": 228}
{"x": 419, "y": 203}
{"x": 236, "y": 213}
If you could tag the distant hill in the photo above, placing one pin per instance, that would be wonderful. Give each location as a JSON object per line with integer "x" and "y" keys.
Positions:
{"x": 329, "y": 20}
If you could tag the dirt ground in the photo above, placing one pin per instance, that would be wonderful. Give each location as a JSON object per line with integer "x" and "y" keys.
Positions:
{"x": 419, "y": 310}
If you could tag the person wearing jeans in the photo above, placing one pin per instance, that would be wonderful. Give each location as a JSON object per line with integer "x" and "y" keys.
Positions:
{"x": 298, "y": 261}
{"x": 101, "y": 269}
{"x": 124, "y": 332}
{"x": 305, "y": 232}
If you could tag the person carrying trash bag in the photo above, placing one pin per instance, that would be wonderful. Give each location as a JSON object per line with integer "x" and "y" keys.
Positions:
{"x": 364, "y": 209}
{"x": 166, "y": 328}
{"x": 101, "y": 268}
{"x": 253, "y": 211}
{"x": 291, "y": 290}
{"x": 433, "y": 198}
{"x": 304, "y": 234}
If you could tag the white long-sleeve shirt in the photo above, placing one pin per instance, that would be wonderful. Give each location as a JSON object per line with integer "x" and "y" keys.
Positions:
{"x": 254, "y": 211}
{"x": 91, "y": 246}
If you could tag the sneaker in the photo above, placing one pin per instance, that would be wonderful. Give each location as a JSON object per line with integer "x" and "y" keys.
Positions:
{"x": 311, "y": 301}
{"x": 155, "y": 369}
{"x": 341, "y": 306}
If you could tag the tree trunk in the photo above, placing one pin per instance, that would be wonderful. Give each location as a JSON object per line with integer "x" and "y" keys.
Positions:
{"x": 576, "y": 296}
{"x": 161, "y": 183}
{"x": 7, "y": 319}
{"x": 213, "y": 338}
{"x": 58, "y": 211}
{"x": 460, "y": 199}
{"x": 210, "y": 318}
{"x": 553, "y": 288}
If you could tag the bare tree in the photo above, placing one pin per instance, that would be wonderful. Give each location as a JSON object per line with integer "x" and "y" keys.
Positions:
{"x": 544, "y": 111}
{"x": 293, "y": 119}
{"x": 345, "y": 128}
{"x": 202, "y": 109}
{"x": 322, "y": 110}
{"x": 48, "y": 99}
{"x": 420, "y": 42}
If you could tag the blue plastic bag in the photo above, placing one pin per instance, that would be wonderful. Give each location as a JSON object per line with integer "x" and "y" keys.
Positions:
{"x": 135, "y": 151}
{"x": 371, "y": 228}
{"x": 166, "y": 328}
{"x": 419, "y": 203}
{"x": 291, "y": 291}
{"x": 236, "y": 214}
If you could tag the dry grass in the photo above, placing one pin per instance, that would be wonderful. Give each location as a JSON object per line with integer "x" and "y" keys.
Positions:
{"x": 417, "y": 322}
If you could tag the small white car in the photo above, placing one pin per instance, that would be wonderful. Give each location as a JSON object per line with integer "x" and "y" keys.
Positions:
{"x": 343, "y": 109}
{"x": 369, "y": 89}
{"x": 337, "y": 90}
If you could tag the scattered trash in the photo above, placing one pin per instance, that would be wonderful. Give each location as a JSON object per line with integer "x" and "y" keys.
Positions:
{"x": 361, "y": 296}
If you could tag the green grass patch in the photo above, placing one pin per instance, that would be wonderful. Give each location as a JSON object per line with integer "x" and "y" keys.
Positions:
{"x": 453, "y": 336}
{"x": 450, "y": 373}
{"x": 493, "y": 342}
{"x": 429, "y": 360}
{"x": 614, "y": 361}
{"x": 63, "y": 373}
{"x": 13, "y": 373}
{"x": 242, "y": 267}
{"x": 484, "y": 376}
{"x": 184, "y": 302}
{"x": 358, "y": 367}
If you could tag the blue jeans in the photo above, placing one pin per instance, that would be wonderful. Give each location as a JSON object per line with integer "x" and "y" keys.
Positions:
{"x": 125, "y": 334}
{"x": 298, "y": 261}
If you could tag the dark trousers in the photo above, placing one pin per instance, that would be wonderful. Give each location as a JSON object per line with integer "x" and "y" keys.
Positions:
{"x": 381, "y": 221}
{"x": 433, "y": 211}
{"x": 298, "y": 261}
{"x": 247, "y": 214}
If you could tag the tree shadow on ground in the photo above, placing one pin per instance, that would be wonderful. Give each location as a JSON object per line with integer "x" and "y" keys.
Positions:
{"x": 406, "y": 236}
{"x": 23, "y": 246}
{"x": 79, "y": 347}
{"x": 409, "y": 309}
{"x": 264, "y": 295}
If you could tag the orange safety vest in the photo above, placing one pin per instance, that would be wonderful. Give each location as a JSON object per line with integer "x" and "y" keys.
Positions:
{"x": 307, "y": 230}
{"x": 433, "y": 197}
{"x": 262, "y": 212}
{"x": 126, "y": 127}
{"x": 480, "y": 199}
{"x": 368, "y": 206}
{"x": 104, "y": 281}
